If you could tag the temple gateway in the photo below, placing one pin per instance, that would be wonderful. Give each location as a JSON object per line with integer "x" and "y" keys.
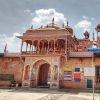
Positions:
{"x": 53, "y": 57}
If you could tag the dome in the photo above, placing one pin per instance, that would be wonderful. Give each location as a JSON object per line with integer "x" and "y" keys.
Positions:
{"x": 69, "y": 29}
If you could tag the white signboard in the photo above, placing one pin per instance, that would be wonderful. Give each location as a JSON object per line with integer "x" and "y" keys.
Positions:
{"x": 89, "y": 71}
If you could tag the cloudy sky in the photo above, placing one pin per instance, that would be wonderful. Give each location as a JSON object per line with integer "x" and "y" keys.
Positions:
{"x": 16, "y": 16}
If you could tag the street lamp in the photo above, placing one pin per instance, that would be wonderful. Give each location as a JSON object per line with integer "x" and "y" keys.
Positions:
{"x": 93, "y": 49}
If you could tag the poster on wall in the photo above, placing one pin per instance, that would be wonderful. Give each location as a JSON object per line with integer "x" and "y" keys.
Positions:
{"x": 89, "y": 71}
{"x": 67, "y": 73}
{"x": 77, "y": 76}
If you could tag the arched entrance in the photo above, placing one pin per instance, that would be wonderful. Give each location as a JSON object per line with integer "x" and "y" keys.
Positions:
{"x": 43, "y": 74}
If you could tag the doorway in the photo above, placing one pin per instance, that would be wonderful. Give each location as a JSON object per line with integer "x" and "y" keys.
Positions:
{"x": 89, "y": 84}
{"x": 43, "y": 75}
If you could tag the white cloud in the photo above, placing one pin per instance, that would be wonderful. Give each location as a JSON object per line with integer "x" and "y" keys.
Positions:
{"x": 13, "y": 43}
{"x": 28, "y": 11}
{"x": 44, "y": 16}
{"x": 84, "y": 24}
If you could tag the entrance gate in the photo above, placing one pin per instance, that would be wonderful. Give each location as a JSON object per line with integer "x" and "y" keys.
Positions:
{"x": 43, "y": 75}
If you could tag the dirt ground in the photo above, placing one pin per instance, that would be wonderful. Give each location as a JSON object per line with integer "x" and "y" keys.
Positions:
{"x": 45, "y": 94}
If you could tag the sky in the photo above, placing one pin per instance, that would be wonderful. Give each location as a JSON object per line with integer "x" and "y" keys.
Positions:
{"x": 16, "y": 16}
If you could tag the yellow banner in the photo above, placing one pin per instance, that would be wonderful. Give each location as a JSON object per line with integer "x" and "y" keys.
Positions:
{"x": 67, "y": 68}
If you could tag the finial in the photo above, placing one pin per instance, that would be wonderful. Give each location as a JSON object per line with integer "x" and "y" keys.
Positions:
{"x": 53, "y": 20}
{"x": 63, "y": 25}
{"x": 47, "y": 25}
{"x": 67, "y": 23}
{"x": 41, "y": 26}
{"x": 5, "y": 49}
{"x": 32, "y": 27}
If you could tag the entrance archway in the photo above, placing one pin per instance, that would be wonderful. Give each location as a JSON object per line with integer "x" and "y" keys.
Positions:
{"x": 43, "y": 74}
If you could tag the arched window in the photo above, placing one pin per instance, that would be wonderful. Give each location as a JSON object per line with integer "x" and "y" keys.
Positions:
{"x": 60, "y": 45}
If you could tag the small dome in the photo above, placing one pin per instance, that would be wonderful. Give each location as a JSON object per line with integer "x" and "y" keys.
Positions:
{"x": 86, "y": 33}
{"x": 98, "y": 26}
{"x": 69, "y": 29}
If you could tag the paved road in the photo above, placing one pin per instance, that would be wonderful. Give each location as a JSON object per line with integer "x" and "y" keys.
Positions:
{"x": 44, "y": 94}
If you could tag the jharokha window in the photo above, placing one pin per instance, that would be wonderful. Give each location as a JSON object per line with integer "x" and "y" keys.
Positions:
{"x": 98, "y": 74}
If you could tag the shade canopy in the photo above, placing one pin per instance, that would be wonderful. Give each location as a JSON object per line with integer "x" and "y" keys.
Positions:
{"x": 94, "y": 49}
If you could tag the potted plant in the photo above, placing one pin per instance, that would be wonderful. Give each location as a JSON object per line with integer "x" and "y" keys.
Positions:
{"x": 13, "y": 83}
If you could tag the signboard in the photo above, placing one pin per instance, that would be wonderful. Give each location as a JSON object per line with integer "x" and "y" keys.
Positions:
{"x": 6, "y": 77}
{"x": 89, "y": 71}
{"x": 77, "y": 76}
{"x": 68, "y": 73}
{"x": 67, "y": 68}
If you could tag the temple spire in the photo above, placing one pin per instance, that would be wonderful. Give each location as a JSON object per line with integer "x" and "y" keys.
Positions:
{"x": 32, "y": 27}
{"x": 67, "y": 23}
{"x": 53, "y": 20}
{"x": 5, "y": 49}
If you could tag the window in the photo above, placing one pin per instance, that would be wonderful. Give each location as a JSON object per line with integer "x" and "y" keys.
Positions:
{"x": 77, "y": 75}
{"x": 77, "y": 69}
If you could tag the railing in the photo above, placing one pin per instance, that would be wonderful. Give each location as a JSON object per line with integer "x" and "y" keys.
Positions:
{"x": 80, "y": 54}
{"x": 43, "y": 53}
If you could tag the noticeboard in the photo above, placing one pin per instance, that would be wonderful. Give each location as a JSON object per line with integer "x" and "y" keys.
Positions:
{"x": 6, "y": 77}
{"x": 89, "y": 71}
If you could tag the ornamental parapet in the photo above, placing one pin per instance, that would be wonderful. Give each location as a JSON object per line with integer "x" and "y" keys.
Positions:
{"x": 80, "y": 54}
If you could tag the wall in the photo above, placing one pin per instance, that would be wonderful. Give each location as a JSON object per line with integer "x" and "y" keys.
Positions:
{"x": 11, "y": 66}
{"x": 82, "y": 63}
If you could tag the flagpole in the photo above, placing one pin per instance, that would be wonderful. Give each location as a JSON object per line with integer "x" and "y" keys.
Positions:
{"x": 93, "y": 73}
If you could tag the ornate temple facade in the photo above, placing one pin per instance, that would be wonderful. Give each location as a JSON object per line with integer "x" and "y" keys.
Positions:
{"x": 52, "y": 56}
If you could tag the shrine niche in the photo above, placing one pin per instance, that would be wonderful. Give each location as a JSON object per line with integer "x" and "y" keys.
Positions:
{"x": 27, "y": 72}
{"x": 33, "y": 73}
{"x": 49, "y": 74}
{"x": 55, "y": 71}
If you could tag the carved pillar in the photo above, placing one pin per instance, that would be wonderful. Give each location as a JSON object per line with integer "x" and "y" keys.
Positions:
{"x": 38, "y": 47}
{"x": 48, "y": 48}
{"x": 43, "y": 47}
{"x": 32, "y": 46}
{"x": 65, "y": 45}
{"x": 21, "y": 46}
{"x": 26, "y": 46}
{"x": 54, "y": 45}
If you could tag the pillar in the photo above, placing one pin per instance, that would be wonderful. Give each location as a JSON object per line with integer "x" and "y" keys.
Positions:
{"x": 38, "y": 47}
{"x": 54, "y": 46}
{"x": 65, "y": 45}
{"x": 26, "y": 46}
{"x": 48, "y": 48}
{"x": 21, "y": 46}
{"x": 32, "y": 46}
